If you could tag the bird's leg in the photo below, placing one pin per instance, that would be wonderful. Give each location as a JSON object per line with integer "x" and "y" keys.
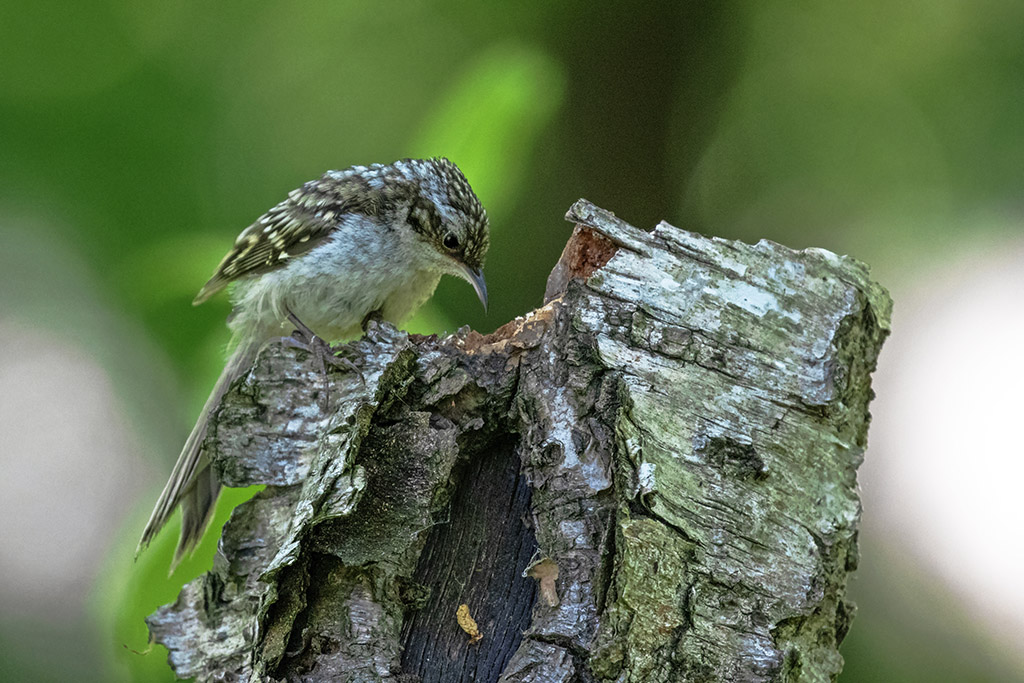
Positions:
{"x": 303, "y": 334}
{"x": 305, "y": 339}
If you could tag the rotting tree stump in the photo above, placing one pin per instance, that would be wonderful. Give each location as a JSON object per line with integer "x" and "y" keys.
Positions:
{"x": 652, "y": 477}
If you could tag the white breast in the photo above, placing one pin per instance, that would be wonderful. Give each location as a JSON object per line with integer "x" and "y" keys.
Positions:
{"x": 363, "y": 267}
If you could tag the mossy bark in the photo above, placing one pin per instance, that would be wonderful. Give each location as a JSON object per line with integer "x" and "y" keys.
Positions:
{"x": 650, "y": 478}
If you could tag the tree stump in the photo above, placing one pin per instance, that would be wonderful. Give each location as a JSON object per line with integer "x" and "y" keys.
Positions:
{"x": 652, "y": 477}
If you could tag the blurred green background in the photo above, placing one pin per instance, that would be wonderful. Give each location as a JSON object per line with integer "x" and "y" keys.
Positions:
{"x": 138, "y": 138}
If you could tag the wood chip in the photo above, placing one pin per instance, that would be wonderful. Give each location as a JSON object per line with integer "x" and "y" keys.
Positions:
{"x": 545, "y": 571}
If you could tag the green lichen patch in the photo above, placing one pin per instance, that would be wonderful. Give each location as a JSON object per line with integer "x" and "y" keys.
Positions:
{"x": 647, "y": 607}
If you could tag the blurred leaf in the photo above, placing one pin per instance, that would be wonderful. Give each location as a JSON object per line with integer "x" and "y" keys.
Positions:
{"x": 129, "y": 592}
{"x": 170, "y": 268}
{"x": 86, "y": 50}
{"x": 430, "y": 320}
{"x": 489, "y": 120}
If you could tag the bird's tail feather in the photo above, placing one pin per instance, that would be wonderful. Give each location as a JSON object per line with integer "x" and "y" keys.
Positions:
{"x": 192, "y": 482}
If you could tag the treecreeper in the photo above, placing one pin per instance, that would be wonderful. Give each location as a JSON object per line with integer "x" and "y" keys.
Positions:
{"x": 368, "y": 240}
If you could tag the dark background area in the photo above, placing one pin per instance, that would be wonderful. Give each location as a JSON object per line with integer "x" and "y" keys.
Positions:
{"x": 138, "y": 138}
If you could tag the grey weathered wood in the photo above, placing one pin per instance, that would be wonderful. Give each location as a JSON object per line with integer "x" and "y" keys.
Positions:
{"x": 677, "y": 430}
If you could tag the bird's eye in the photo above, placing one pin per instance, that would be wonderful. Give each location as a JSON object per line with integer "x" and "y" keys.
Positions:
{"x": 450, "y": 241}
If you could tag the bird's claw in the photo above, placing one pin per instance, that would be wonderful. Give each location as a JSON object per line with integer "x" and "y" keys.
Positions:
{"x": 340, "y": 356}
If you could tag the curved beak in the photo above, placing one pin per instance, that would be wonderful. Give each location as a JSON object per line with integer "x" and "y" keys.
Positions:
{"x": 475, "y": 277}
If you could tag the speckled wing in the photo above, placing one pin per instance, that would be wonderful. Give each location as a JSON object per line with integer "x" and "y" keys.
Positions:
{"x": 296, "y": 225}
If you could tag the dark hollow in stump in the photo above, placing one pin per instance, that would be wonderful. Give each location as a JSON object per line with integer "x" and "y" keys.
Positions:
{"x": 652, "y": 477}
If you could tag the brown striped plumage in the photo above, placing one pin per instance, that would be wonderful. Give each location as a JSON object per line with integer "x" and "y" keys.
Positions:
{"x": 368, "y": 239}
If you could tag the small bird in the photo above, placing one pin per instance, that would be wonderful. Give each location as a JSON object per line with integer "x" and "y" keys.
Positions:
{"x": 366, "y": 240}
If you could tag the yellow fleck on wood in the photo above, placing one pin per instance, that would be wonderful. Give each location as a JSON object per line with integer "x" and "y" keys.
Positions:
{"x": 468, "y": 624}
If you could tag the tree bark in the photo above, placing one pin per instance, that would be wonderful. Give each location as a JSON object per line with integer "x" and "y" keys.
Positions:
{"x": 652, "y": 477}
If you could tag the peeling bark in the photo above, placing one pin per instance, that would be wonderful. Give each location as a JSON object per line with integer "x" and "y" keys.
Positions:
{"x": 650, "y": 478}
